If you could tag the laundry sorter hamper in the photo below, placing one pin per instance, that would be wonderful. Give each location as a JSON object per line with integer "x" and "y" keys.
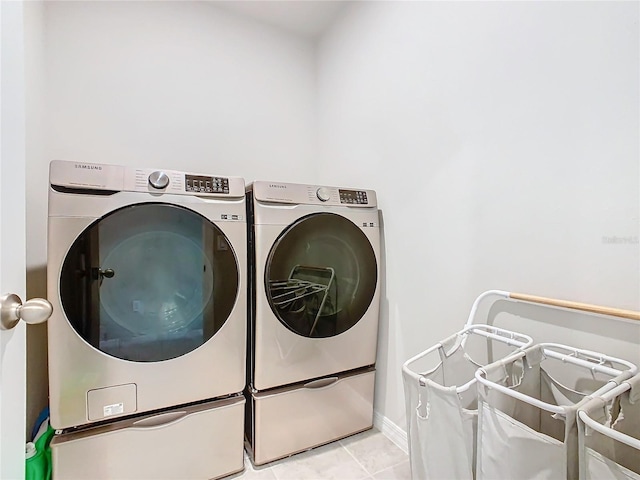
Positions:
{"x": 609, "y": 434}
{"x": 527, "y": 408}
{"x": 441, "y": 399}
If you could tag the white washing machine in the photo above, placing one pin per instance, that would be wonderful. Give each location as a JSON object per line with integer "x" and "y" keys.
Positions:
{"x": 146, "y": 275}
{"x": 314, "y": 315}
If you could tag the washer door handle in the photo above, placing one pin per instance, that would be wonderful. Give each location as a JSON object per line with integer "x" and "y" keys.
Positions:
{"x": 323, "y": 382}
{"x": 12, "y": 310}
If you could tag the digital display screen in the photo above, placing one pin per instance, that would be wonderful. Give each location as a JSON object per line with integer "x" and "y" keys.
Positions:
{"x": 199, "y": 183}
{"x": 357, "y": 197}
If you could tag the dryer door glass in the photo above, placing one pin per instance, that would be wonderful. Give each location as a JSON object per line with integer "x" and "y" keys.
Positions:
{"x": 321, "y": 275}
{"x": 149, "y": 282}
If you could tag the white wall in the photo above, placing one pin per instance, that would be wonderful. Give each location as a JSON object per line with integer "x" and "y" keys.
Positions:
{"x": 177, "y": 84}
{"x": 502, "y": 138}
{"x": 182, "y": 85}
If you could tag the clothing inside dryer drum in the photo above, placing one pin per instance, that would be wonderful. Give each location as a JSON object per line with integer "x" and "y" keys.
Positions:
{"x": 321, "y": 275}
{"x": 149, "y": 282}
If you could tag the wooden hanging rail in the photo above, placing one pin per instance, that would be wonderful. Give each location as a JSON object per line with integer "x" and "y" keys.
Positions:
{"x": 615, "y": 312}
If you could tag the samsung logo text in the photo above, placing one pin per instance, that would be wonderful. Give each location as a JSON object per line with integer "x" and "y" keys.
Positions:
{"x": 88, "y": 167}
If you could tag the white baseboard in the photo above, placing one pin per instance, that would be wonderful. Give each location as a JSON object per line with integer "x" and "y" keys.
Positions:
{"x": 391, "y": 431}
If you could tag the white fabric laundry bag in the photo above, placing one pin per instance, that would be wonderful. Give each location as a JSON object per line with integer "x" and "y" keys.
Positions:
{"x": 610, "y": 441}
{"x": 527, "y": 425}
{"x": 441, "y": 404}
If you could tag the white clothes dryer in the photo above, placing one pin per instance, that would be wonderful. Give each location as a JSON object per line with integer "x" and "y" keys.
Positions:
{"x": 314, "y": 315}
{"x": 146, "y": 274}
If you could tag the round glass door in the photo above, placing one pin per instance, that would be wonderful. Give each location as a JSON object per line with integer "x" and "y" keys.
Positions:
{"x": 149, "y": 282}
{"x": 321, "y": 275}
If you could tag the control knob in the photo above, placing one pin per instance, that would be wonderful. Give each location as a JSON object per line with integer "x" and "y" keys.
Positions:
{"x": 323, "y": 194}
{"x": 159, "y": 180}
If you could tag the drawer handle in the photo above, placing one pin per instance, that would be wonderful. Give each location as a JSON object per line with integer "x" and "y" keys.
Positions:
{"x": 161, "y": 420}
{"x": 323, "y": 382}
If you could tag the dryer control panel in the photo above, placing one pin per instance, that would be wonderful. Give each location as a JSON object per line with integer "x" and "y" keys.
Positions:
{"x": 291, "y": 193}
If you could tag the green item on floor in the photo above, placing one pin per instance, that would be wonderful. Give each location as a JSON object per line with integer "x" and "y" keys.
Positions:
{"x": 38, "y": 456}
{"x": 35, "y": 463}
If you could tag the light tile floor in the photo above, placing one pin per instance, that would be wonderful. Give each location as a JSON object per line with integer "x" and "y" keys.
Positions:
{"x": 368, "y": 455}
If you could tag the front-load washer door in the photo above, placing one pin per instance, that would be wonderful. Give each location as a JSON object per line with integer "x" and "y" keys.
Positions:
{"x": 149, "y": 282}
{"x": 321, "y": 276}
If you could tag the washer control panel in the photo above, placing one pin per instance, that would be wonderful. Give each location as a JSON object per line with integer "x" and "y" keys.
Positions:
{"x": 357, "y": 197}
{"x": 205, "y": 184}
{"x": 117, "y": 178}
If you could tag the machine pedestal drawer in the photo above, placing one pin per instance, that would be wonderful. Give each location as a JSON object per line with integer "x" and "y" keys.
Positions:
{"x": 292, "y": 419}
{"x": 201, "y": 441}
